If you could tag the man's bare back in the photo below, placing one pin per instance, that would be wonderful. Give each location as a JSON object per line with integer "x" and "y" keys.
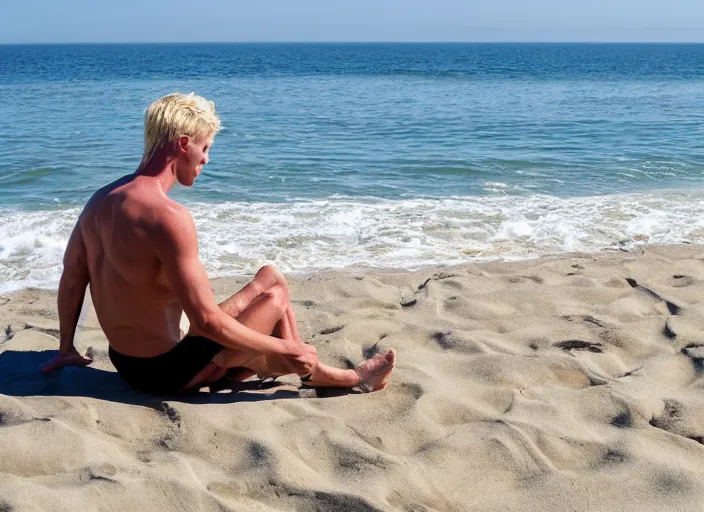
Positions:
{"x": 133, "y": 299}
{"x": 137, "y": 249}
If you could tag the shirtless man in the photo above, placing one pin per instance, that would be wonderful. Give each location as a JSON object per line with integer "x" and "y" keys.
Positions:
{"x": 138, "y": 251}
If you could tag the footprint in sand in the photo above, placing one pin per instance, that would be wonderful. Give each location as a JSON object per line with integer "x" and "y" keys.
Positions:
{"x": 615, "y": 456}
{"x": 588, "y": 319}
{"x": 696, "y": 353}
{"x": 668, "y": 332}
{"x": 407, "y": 303}
{"x": 623, "y": 420}
{"x": 103, "y": 473}
{"x": 443, "y": 339}
{"x": 680, "y": 281}
{"x": 677, "y": 419}
{"x": 523, "y": 278}
{"x": 332, "y": 330}
{"x": 673, "y": 308}
{"x": 670, "y": 416}
{"x": 580, "y": 345}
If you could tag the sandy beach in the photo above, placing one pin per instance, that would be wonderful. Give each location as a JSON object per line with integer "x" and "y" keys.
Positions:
{"x": 552, "y": 385}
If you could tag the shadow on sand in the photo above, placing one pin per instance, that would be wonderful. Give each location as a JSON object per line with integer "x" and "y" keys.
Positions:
{"x": 20, "y": 376}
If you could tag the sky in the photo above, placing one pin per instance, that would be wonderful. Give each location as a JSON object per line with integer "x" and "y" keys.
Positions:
{"x": 85, "y": 21}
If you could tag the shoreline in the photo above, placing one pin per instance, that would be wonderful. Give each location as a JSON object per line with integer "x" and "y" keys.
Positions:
{"x": 687, "y": 249}
{"x": 298, "y": 237}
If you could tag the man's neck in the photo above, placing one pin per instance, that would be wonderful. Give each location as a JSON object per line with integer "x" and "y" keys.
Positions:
{"x": 160, "y": 166}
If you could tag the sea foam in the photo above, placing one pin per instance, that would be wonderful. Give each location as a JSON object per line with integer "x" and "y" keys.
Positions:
{"x": 301, "y": 236}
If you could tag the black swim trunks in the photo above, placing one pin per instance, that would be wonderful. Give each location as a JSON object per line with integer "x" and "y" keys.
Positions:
{"x": 168, "y": 373}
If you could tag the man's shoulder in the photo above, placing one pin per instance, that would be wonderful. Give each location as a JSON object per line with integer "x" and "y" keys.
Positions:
{"x": 169, "y": 217}
{"x": 168, "y": 210}
{"x": 131, "y": 205}
{"x": 99, "y": 197}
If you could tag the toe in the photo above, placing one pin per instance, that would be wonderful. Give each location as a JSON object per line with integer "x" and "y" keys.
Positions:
{"x": 390, "y": 357}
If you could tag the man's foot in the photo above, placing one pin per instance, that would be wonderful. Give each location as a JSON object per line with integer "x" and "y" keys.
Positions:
{"x": 374, "y": 373}
{"x": 70, "y": 358}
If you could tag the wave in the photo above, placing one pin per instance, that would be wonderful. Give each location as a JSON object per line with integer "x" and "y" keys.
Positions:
{"x": 301, "y": 236}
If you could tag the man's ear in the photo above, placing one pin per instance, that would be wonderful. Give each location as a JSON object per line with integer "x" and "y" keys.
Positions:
{"x": 182, "y": 143}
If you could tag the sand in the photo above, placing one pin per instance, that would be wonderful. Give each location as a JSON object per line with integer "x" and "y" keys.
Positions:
{"x": 553, "y": 385}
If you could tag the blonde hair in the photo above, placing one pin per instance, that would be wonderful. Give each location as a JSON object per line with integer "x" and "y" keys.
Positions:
{"x": 174, "y": 116}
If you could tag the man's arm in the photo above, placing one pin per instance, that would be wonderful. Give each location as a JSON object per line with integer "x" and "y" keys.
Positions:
{"x": 72, "y": 289}
{"x": 177, "y": 248}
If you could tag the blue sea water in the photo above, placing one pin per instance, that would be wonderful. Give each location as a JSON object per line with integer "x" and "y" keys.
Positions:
{"x": 384, "y": 155}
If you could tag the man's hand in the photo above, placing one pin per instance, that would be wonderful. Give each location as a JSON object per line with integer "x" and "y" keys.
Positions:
{"x": 307, "y": 360}
{"x": 70, "y": 358}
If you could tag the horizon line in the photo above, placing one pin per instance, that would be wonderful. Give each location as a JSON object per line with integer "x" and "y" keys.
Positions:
{"x": 79, "y": 43}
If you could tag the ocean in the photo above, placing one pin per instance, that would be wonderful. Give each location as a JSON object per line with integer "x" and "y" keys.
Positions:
{"x": 365, "y": 155}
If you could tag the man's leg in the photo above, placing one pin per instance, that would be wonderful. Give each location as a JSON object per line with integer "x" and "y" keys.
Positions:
{"x": 250, "y": 296}
{"x": 264, "y": 305}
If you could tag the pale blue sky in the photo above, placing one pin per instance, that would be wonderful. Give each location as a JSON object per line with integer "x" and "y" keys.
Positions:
{"x": 70, "y": 21}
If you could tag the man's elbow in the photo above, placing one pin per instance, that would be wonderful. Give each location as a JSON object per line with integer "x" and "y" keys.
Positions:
{"x": 206, "y": 323}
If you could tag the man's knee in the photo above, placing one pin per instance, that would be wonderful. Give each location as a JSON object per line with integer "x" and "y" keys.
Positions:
{"x": 278, "y": 298}
{"x": 269, "y": 277}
